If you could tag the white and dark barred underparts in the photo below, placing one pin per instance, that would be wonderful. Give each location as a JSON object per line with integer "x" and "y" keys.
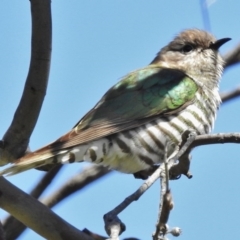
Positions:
{"x": 139, "y": 148}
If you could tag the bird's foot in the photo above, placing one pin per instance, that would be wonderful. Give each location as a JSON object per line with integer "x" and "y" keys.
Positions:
{"x": 183, "y": 156}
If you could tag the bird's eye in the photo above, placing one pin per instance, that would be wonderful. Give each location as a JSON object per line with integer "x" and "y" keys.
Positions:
{"x": 187, "y": 48}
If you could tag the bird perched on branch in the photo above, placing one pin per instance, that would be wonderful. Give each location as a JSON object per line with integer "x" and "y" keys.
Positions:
{"x": 149, "y": 108}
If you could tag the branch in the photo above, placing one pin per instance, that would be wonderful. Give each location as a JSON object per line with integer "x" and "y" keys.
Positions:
{"x": 232, "y": 57}
{"x": 218, "y": 138}
{"x": 230, "y": 95}
{"x": 76, "y": 183}
{"x": 164, "y": 210}
{"x": 111, "y": 220}
{"x": 45, "y": 181}
{"x": 113, "y": 225}
{"x": 35, "y": 215}
{"x": 16, "y": 139}
{"x": 2, "y": 234}
{"x": 14, "y": 228}
{"x": 166, "y": 200}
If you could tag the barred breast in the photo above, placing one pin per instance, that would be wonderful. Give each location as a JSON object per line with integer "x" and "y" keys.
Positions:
{"x": 139, "y": 148}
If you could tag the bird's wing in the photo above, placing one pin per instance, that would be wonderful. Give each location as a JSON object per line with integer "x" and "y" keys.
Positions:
{"x": 139, "y": 97}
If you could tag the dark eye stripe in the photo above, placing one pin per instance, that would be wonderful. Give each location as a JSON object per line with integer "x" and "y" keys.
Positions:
{"x": 187, "y": 48}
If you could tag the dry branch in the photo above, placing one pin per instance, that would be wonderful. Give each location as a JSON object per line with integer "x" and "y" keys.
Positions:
{"x": 232, "y": 57}
{"x": 76, "y": 183}
{"x": 13, "y": 227}
{"x": 35, "y": 215}
{"x": 230, "y": 95}
{"x": 218, "y": 138}
{"x": 16, "y": 139}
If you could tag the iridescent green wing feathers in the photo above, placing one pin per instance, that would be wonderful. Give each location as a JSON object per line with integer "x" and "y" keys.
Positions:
{"x": 142, "y": 94}
{"x": 139, "y": 97}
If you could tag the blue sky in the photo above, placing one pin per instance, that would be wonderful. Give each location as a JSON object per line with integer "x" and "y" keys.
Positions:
{"x": 94, "y": 44}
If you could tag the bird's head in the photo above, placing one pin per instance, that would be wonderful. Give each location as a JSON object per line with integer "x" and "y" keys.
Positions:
{"x": 194, "y": 52}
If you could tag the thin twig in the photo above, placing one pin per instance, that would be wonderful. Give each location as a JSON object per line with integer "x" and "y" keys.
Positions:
{"x": 76, "y": 183}
{"x": 164, "y": 183}
{"x": 166, "y": 202}
{"x": 218, "y": 138}
{"x": 111, "y": 220}
{"x": 45, "y": 181}
{"x": 232, "y": 57}
{"x": 137, "y": 194}
{"x": 230, "y": 95}
{"x": 16, "y": 138}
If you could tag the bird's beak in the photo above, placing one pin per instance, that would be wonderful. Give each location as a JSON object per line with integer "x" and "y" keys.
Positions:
{"x": 216, "y": 45}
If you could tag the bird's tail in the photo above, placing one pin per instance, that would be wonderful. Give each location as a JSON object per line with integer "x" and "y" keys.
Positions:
{"x": 66, "y": 149}
{"x": 34, "y": 160}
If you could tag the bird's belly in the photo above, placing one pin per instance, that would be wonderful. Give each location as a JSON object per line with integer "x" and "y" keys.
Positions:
{"x": 140, "y": 148}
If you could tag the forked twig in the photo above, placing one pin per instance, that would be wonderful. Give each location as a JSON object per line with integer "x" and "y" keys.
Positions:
{"x": 112, "y": 222}
{"x": 166, "y": 201}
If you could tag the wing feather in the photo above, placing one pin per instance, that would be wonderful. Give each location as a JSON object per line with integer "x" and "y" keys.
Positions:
{"x": 138, "y": 98}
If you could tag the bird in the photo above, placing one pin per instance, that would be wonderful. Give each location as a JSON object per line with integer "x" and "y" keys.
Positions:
{"x": 148, "y": 109}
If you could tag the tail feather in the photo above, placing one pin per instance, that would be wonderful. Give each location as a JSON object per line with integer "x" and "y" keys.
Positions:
{"x": 33, "y": 160}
